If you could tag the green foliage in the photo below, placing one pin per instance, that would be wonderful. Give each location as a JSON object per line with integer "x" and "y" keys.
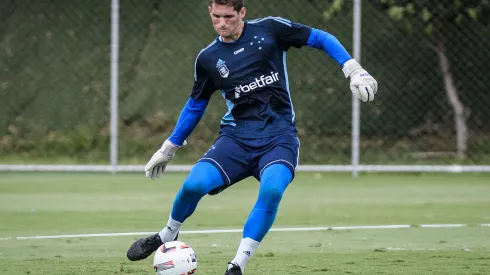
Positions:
{"x": 333, "y": 8}
{"x": 434, "y": 15}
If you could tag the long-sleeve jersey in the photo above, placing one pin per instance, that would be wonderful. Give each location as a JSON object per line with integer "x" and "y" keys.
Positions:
{"x": 251, "y": 75}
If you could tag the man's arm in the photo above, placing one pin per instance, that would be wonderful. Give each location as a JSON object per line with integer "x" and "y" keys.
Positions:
{"x": 362, "y": 84}
{"x": 288, "y": 33}
{"x": 196, "y": 105}
{"x": 330, "y": 44}
{"x": 189, "y": 118}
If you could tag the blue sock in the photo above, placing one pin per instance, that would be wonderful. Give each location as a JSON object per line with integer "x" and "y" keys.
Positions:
{"x": 203, "y": 178}
{"x": 274, "y": 181}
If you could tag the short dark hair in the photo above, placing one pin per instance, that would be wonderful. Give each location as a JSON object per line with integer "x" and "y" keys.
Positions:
{"x": 236, "y": 4}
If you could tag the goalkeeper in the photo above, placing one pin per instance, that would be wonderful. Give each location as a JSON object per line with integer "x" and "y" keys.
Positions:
{"x": 258, "y": 136}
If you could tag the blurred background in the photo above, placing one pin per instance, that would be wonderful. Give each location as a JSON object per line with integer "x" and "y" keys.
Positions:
{"x": 431, "y": 113}
{"x": 428, "y": 57}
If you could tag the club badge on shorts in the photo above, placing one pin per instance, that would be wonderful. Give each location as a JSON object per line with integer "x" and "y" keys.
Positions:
{"x": 222, "y": 69}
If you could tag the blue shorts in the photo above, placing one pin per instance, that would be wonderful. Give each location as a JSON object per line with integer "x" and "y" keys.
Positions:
{"x": 237, "y": 159}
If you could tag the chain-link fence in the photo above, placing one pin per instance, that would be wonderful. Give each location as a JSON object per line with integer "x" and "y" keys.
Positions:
{"x": 54, "y": 82}
{"x": 428, "y": 57}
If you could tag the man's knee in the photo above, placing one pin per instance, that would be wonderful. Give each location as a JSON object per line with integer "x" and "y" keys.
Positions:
{"x": 271, "y": 193}
{"x": 273, "y": 183}
{"x": 195, "y": 186}
{"x": 203, "y": 178}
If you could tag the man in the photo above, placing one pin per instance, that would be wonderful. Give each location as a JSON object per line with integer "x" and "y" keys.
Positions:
{"x": 258, "y": 137}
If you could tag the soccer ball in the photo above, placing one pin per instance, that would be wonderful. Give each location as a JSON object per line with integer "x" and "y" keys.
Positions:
{"x": 175, "y": 258}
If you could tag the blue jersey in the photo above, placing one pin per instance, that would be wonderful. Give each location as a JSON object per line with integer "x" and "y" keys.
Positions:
{"x": 252, "y": 76}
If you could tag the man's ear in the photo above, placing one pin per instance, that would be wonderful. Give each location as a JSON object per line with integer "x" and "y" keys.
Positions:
{"x": 243, "y": 12}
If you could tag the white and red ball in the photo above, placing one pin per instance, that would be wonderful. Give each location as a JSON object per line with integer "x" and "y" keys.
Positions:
{"x": 175, "y": 258}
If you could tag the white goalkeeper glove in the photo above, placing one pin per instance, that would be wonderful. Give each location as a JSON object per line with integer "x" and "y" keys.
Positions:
{"x": 362, "y": 84}
{"x": 158, "y": 162}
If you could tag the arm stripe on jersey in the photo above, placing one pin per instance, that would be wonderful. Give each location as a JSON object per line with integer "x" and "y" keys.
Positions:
{"x": 282, "y": 20}
{"x": 195, "y": 63}
{"x": 278, "y": 19}
{"x": 270, "y": 17}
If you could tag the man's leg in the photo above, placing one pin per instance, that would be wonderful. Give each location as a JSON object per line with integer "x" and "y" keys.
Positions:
{"x": 203, "y": 178}
{"x": 273, "y": 182}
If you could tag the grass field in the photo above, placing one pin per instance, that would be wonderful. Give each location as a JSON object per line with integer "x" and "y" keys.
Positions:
{"x": 37, "y": 204}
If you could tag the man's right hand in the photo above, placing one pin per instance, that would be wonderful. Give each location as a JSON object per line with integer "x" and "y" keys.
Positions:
{"x": 158, "y": 162}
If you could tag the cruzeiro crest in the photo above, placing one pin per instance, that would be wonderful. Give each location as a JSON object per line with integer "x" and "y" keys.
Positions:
{"x": 223, "y": 70}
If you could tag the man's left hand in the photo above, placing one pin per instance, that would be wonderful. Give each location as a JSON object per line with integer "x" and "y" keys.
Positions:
{"x": 362, "y": 84}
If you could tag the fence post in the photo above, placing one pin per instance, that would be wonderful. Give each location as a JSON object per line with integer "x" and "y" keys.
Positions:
{"x": 114, "y": 82}
{"x": 356, "y": 116}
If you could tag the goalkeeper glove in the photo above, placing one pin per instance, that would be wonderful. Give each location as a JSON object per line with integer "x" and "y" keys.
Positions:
{"x": 158, "y": 162}
{"x": 362, "y": 84}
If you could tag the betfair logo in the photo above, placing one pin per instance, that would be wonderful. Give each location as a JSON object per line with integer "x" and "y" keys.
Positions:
{"x": 259, "y": 82}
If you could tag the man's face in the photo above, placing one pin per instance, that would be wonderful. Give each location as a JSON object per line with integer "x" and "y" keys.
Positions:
{"x": 226, "y": 21}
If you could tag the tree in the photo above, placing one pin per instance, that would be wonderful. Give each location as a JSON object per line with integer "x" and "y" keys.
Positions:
{"x": 435, "y": 20}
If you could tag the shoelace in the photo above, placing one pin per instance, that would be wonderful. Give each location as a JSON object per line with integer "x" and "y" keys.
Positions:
{"x": 234, "y": 266}
{"x": 151, "y": 240}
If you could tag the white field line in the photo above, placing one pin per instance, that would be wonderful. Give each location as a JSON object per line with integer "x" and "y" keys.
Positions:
{"x": 217, "y": 231}
{"x": 443, "y": 225}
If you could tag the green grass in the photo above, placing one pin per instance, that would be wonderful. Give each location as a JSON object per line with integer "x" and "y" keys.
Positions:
{"x": 70, "y": 203}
